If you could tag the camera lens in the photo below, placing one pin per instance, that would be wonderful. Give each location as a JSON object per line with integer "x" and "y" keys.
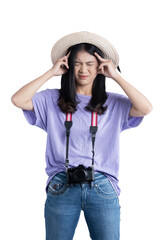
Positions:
{"x": 80, "y": 175}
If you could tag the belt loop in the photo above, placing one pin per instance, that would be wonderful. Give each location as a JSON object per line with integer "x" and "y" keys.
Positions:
{"x": 91, "y": 184}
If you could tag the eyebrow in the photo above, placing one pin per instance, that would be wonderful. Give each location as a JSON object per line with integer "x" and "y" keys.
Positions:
{"x": 86, "y": 62}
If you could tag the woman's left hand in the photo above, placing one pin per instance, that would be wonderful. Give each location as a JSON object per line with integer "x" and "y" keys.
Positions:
{"x": 106, "y": 67}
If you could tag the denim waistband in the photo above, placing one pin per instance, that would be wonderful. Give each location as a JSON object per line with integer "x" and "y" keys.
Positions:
{"x": 62, "y": 176}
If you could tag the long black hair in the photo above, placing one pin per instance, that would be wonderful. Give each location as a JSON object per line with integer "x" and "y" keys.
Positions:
{"x": 68, "y": 98}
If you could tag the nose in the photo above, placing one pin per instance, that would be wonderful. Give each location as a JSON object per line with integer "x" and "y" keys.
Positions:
{"x": 83, "y": 68}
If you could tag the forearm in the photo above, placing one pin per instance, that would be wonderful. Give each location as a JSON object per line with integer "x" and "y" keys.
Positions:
{"x": 139, "y": 101}
{"x": 26, "y": 93}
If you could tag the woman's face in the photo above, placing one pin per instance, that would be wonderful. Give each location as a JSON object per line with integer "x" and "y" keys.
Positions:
{"x": 86, "y": 66}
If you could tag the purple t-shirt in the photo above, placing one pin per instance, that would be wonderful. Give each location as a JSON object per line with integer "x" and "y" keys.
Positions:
{"x": 48, "y": 116}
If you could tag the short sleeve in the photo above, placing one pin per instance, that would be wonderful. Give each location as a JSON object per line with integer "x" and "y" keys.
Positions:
{"x": 127, "y": 121}
{"x": 38, "y": 117}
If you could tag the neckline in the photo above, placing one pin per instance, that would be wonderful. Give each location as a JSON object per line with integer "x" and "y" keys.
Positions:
{"x": 85, "y": 96}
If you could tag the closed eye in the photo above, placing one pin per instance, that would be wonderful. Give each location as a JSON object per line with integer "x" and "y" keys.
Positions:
{"x": 77, "y": 63}
{"x": 88, "y": 63}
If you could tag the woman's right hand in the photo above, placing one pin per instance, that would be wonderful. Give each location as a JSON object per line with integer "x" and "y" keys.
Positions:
{"x": 61, "y": 66}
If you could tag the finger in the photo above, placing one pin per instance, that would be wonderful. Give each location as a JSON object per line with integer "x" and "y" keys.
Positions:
{"x": 64, "y": 62}
{"x": 68, "y": 54}
{"x": 100, "y": 68}
{"x": 98, "y": 56}
{"x": 65, "y": 65}
{"x": 101, "y": 71}
{"x": 64, "y": 58}
{"x": 105, "y": 64}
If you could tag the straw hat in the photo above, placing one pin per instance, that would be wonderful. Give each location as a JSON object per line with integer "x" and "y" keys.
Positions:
{"x": 61, "y": 46}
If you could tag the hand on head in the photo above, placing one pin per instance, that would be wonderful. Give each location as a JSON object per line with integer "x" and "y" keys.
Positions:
{"x": 61, "y": 65}
{"x": 106, "y": 67}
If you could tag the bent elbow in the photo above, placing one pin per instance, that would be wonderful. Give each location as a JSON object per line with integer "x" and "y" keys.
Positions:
{"x": 148, "y": 109}
{"x": 13, "y": 100}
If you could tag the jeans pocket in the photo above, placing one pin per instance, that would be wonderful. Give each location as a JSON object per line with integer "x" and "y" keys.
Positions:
{"x": 105, "y": 189}
{"x": 57, "y": 188}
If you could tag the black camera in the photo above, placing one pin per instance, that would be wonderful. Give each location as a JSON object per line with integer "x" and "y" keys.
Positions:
{"x": 80, "y": 174}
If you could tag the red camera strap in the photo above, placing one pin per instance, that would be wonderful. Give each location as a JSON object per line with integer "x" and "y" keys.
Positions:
{"x": 94, "y": 119}
{"x": 93, "y": 130}
{"x": 68, "y": 116}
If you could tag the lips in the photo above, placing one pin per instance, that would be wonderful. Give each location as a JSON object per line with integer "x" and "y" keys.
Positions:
{"x": 83, "y": 76}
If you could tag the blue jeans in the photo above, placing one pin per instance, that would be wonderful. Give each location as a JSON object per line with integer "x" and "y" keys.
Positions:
{"x": 98, "y": 200}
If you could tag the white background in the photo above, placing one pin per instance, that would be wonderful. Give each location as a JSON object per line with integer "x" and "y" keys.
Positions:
{"x": 28, "y": 31}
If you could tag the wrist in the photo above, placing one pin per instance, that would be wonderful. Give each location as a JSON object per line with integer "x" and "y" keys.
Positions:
{"x": 50, "y": 73}
{"x": 117, "y": 78}
{"x": 47, "y": 75}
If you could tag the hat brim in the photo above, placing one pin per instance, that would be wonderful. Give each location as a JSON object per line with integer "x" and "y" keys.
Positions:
{"x": 61, "y": 46}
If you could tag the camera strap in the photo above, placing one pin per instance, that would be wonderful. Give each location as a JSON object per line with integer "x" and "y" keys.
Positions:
{"x": 68, "y": 125}
{"x": 93, "y": 130}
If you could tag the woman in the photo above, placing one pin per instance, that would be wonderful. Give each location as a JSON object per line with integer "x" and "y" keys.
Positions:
{"x": 82, "y": 161}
